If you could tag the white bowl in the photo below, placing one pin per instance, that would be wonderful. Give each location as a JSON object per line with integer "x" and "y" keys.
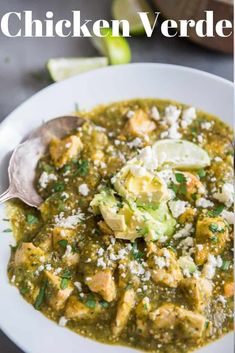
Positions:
{"x": 28, "y": 328}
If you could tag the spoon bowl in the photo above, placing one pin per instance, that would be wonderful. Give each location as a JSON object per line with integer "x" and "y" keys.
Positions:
{"x": 25, "y": 157}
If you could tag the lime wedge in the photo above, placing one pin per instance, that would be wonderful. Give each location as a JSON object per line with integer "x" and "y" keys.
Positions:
{"x": 180, "y": 154}
{"x": 62, "y": 68}
{"x": 115, "y": 48}
{"x": 128, "y": 10}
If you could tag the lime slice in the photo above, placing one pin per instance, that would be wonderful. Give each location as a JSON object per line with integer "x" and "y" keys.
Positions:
{"x": 180, "y": 154}
{"x": 115, "y": 48}
{"x": 128, "y": 10}
{"x": 63, "y": 68}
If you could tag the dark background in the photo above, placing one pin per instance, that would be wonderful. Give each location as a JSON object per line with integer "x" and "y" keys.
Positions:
{"x": 22, "y": 60}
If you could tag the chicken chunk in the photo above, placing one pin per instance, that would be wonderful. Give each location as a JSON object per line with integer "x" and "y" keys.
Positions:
{"x": 102, "y": 282}
{"x": 61, "y": 234}
{"x": 125, "y": 306}
{"x": 62, "y": 151}
{"x": 171, "y": 317}
{"x": 76, "y": 310}
{"x": 165, "y": 268}
{"x": 142, "y": 313}
{"x": 211, "y": 234}
{"x": 55, "y": 295}
{"x": 139, "y": 124}
{"x": 192, "y": 324}
{"x": 28, "y": 255}
{"x": 164, "y": 317}
{"x": 197, "y": 292}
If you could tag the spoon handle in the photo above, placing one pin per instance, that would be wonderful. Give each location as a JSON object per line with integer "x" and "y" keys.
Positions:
{"x": 7, "y": 195}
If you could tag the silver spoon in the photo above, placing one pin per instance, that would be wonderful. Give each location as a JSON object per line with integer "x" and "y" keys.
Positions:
{"x": 24, "y": 159}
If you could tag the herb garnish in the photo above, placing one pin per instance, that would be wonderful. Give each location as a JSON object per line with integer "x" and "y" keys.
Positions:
{"x": 217, "y": 211}
{"x": 82, "y": 168}
{"x": 136, "y": 253}
{"x": 63, "y": 243}
{"x": 8, "y": 230}
{"x": 41, "y": 295}
{"x": 225, "y": 265}
{"x": 180, "y": 178}
{"x": 31, "y": 219}
{"x": 90, "y": 302}
{"x": 58, "y": 187}
{"x": 201, "y": 173}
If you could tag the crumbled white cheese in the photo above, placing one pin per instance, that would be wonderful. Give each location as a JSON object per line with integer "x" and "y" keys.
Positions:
{"x": 164, "y": 134}
{"x": 184, "y": 232}
{"x": 200, "y": 138}
{"x": 63, "y": 321}
{"x": 48, "y": 267}
{"x": 226, "y": 195}
{"x": 155, "y": 114}
{"x": 57, "y": 271}
{"x": 137, "y": 142}
{"x": 101, "y": 263}
{"x": 146, "y": 300}
{"x": 173, "y": 132}
{"x": 218, "y": 159}
{"x": 221, "y": 299}
{"x": 68, "y": 251}
{"x": 130, "y": 114}
{"x": 172, "y": 114}
{"x": 188, "y": 116}
{"x": 204, "y": 203}
{"x": 84, "y": 190}
{"x": 177, "y": 207}
{"x": 206, "y": 125}
{"x": 69, "y": 222}
{"x": 45, "y": 178}
{"x": 78, "y": 285}
{"x": 148, "y": 158}
{"x": 100, "y": 252}
{"x": 210, "y": 267}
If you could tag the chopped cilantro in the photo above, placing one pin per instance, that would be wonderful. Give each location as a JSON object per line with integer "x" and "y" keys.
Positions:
{"x": 31, "y": 219}
{"x": 104, "y": 304}
{"x": 136, "y": 253}
{"x": 180, "y": 178}
{"x": 201, "y": 173}
{"x": 90, "y": 302}
{"x": 64, "y": 283}
{"x": 24, "y": 290}
{"x": 6, "y": 219}
{"x": 217, "y": 211}
{"x": 214, "y": 227}
{"x": 67, "y": 274}
{"x": 82, "y": 168}
{"x": 214, "y": 239}
{"x": 40, "y": 297}
{"x": 8, "y": 230}
{"x": 63, "y": 243}
{"x": 58, "y": 187}
{"x": 225, "y": 265}
{"x": 66, "y": 168}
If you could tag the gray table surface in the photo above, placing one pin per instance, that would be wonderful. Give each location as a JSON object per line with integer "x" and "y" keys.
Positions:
{"x": 22, "y": 60}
